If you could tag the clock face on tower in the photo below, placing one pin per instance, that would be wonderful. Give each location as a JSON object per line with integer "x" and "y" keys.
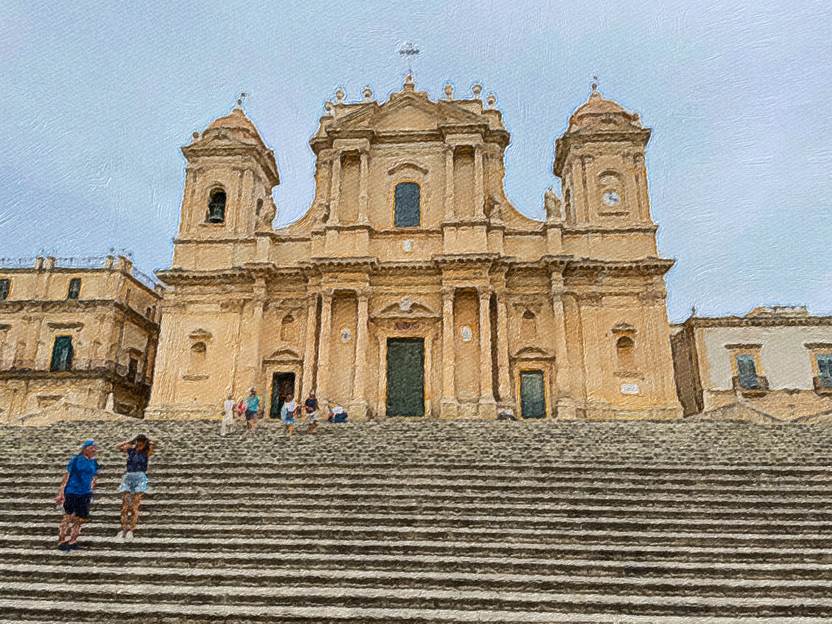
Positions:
{"x": 611, "y": 198}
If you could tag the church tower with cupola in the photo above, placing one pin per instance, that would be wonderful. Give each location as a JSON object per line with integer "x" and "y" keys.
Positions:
{"x": 600, "y": 161}
{"x": 229, "y": 179}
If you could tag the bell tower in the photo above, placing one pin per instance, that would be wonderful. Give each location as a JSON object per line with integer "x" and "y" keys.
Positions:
{"x": 600, "y": 160}
{"x": 229, "y": 180}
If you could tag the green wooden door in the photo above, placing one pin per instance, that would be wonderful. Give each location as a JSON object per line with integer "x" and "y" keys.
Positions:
{"x": 532, "y": 394}
{"x": 405, "y": 377}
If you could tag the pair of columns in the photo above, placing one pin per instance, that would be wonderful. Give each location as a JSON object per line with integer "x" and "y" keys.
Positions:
{"x": 449, "y": 340}
{"x": 335, "y": 186}
{"x": 321, "y": 383}
{"x": 479, "y": 188}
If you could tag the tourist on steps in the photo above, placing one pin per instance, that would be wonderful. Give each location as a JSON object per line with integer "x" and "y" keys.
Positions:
{"x": 287, "y": 415}
{"x": 133, "y": 483}
{"x": 252, "y": 409}
{"x": 310, "y": 406}
{"x": 338, "y": 415}
{"x": 228, "y": 408}
{"x": 75, "y": 494}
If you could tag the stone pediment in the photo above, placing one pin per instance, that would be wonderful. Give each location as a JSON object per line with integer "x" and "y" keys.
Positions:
{"x": 283, "y": 354}
{"x": 532, "y": 353}
{"x": 405, "y": 309}
{"x": 409, "y": 112}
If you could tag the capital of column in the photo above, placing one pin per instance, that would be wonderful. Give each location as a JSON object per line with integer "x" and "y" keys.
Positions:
{"x": 484, "y": 292}
{"x": 448, "y": 292}
{"x": 327, "y": 294}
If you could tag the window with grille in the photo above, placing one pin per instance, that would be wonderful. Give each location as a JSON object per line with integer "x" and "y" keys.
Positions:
{"x": 825, "y": 369}
{"x": 747, "y": 372}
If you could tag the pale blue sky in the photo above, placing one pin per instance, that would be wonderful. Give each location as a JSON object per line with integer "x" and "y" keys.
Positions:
{"x": 97, "y": 98}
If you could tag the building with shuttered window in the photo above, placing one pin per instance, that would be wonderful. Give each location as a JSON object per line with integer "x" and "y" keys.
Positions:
{"x": 413, "y": 286}
{"x": 81, "y": 332}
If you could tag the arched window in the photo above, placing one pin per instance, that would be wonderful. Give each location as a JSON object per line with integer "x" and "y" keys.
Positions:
{"x": 216, "y": 207}
{"x": 625, "y": 348}
{"x": 407, "y": 209}
{"x": 199, "y": 353}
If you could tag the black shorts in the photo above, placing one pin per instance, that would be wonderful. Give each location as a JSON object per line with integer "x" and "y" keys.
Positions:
{"x": 251, "y": 415}
{"x": 77, "y": 505}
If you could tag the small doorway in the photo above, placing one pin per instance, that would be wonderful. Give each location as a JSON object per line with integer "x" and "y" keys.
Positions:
{"x": 405, "y": 377}
{"x": 532, "y": 394}
{"x": 283, "y": 388}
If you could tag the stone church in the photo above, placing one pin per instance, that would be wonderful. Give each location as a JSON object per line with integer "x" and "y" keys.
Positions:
{"x": 413, "y": 286}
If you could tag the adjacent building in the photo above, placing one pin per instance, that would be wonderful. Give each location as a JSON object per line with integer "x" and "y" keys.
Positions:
{"x": 79, "y": 330}
{"x": 775, "y": 361}
{"x": 413, "y": 286}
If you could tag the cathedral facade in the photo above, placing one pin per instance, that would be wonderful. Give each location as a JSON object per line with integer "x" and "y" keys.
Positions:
{"x": 413, "y": 286}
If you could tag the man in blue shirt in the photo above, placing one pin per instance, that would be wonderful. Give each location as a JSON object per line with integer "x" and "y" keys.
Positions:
{"x": 75, "y": 494}
{"x": 252, "y": 409}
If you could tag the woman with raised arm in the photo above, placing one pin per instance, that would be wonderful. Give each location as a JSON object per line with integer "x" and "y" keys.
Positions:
{"x": 133, "y": 483}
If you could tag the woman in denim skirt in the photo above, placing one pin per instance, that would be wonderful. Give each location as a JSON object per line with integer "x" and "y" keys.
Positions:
{"x": 133, "y": 483}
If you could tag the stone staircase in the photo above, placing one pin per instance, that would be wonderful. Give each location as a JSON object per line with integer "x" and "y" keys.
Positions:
{"x": 430, "y": 521}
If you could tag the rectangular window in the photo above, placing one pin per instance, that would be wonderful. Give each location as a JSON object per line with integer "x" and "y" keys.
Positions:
{"x": 747, "y": 372}
{"x": 74, "y": 288}
{"x": 825, "y": 369}
{"x": 407, "y": 205}
{"x": 132, "y": 369}
{"x": 62, "y": 354}
{"x": 5, "y": 286}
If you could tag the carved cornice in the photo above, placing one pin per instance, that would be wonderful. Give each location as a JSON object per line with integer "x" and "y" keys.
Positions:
{"x": 177, "y": 277}
{"x": 405, "y": 266}
{"x": 450, "y": 260}
{"x": 644, "y": 266}
{"x": 365, "y": 263}
{"x": 741, "y": 321}
{"x": 40, "y": 306}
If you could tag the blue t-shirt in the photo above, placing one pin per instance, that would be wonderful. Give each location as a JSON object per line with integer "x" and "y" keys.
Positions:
{"x": 253, "y": 403}
{"x": 81, "y": 473}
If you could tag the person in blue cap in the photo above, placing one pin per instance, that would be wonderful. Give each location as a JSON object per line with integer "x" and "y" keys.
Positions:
{"x": 75, "y": 494}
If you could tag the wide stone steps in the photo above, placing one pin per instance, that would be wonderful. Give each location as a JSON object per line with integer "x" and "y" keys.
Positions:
{"x": 424, "y": 521}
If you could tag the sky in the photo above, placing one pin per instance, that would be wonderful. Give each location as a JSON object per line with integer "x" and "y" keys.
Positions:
{"x": 97, "y": 98}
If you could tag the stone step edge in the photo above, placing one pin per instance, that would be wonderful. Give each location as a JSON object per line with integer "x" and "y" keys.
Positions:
{"x": 342, "y": 575}
{"x": 363, "y": 529}
{"x": 223, "y": 592}
{"x": 430, "y": 559}
{"x": 531, "y": 546}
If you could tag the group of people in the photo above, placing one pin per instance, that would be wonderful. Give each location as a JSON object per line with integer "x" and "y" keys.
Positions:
{"x": 291, "y": 413}
{"x": 77, "y": 488}
{"x": 76, "y": 491}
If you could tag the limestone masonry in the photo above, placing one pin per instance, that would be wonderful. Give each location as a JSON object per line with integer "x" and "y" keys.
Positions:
{"x": 411, "y": 287}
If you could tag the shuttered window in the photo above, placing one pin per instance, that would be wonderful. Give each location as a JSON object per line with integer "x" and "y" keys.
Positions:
{"x": 747, "y": 371}
{"x": 5, "y": 286}
{"x": 825, "y": 369}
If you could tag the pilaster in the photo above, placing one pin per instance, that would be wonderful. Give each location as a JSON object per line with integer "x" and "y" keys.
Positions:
{"x": 359, "y": 401}
{"x": 323, "y": 346}
{"x": 308, "y": 382}
{"x": 449, "y": 406}
{"x": 487, "y": 408}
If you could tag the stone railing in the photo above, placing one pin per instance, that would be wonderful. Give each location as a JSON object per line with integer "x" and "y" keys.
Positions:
{"x": 109, "y": 262}
{"x": 19, "y": 367}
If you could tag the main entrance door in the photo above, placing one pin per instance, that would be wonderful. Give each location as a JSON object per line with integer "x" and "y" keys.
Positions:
{"x": 283, "y": 388}
{"x": 405, "y": 377}
{"x": 532, "y": 394}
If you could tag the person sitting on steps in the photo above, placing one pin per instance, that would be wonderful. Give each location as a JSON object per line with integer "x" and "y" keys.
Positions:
{"x": 133, "y": 483}
{"x": 339, "y": 415}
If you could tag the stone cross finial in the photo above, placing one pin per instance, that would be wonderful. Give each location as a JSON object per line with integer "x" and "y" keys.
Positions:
{"x": 368, "y": 94}
{"x": 491, "y": 101}
{"x": 241, "y": 100}
{"x": 594, "y": 85}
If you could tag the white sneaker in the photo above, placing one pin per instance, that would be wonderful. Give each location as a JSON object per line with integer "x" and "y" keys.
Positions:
{"x": 120, "y": 536}
{"x": 128, "y": 536}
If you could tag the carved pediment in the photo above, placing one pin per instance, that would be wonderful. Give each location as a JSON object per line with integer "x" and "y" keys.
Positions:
{"x": 406, "y": 309}
{"x": 200, "y": 334}
{"x": 532, "y": 353}
{"x": 283, "y": 354}
{"x": 408, "y": 112}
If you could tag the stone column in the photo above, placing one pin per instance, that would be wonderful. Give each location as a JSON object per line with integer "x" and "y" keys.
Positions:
{"x": 479, "y": 194}
{"x": 381, "y": 407}
{"x": 449, "y": 183}
{"x": 449, "y": 403}
{"x": 323, "y": 346}
{"x": 359, "y": 400}
{"x": 503, "y": 372}
{"x": 563, "y": 375}
{"x": 363, "y": 197}
{"x": 486, "y": 386}
{"x": 308, "y": 383}
{"x": 335, "y": 188}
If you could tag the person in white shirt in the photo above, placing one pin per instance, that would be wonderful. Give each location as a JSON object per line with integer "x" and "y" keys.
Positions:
{"x": 227, "y": 415}
{"x": 287, "y": 415}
